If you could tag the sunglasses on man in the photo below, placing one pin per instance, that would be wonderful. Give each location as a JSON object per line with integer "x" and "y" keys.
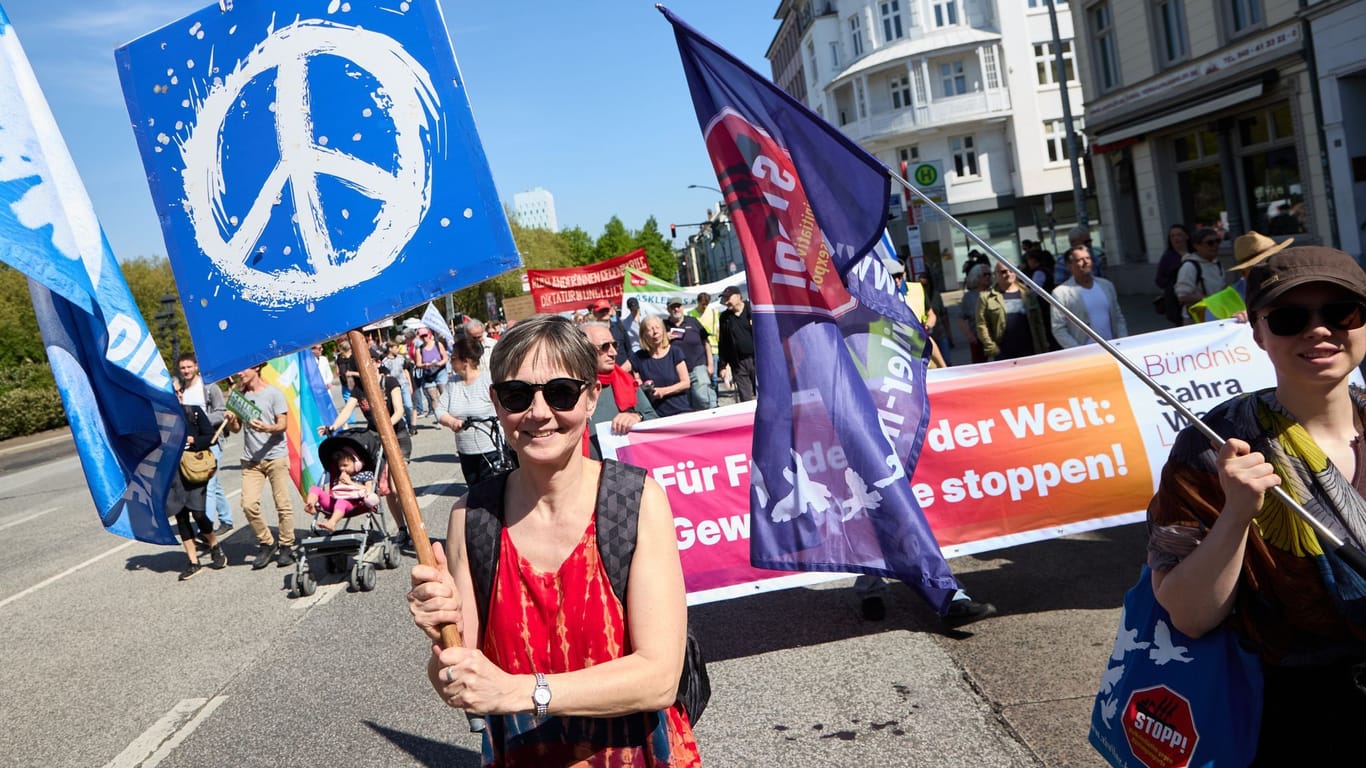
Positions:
{"x": 560, "y": 394}
{"x": 1291, "y": 320}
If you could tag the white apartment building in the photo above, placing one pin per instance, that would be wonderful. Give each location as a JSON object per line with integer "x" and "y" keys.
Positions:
{"x": 1238, "y": 114}
{"x": 535, "y": 209}
{"x": 969, "y": 86}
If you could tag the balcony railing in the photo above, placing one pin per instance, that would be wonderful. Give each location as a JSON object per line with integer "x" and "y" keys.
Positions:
{"x": 940, "y": 112}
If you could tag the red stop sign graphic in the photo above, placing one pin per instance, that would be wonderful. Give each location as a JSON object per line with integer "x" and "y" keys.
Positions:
{"x": 1158, "y": 724}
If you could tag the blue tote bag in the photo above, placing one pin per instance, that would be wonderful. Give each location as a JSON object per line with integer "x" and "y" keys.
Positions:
{"x": 1171, "y": 701}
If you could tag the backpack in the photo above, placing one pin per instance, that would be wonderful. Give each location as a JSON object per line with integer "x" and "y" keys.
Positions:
{"x": 616, "y": 513}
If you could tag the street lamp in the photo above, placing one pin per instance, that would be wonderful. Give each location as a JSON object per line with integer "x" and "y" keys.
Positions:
{"x": 703, "y": 186}
{"x": 167, "y": 323}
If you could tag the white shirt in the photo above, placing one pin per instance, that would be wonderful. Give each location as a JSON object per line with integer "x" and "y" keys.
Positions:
{"x": 325, "y": 369}
{"x": 193, "y": 393}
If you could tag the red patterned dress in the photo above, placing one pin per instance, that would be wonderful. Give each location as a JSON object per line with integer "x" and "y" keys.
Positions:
{"x": 565, "y": 621}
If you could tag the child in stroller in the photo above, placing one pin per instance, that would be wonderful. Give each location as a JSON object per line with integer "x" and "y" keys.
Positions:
{"x": 352, "y": 487}
{"x": 354, "y": 461}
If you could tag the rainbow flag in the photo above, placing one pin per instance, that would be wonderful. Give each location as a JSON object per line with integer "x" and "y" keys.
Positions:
{"x": 310, "y": 407}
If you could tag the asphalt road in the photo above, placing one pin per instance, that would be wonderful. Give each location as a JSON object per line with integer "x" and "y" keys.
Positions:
{"x": 109, "y": 661}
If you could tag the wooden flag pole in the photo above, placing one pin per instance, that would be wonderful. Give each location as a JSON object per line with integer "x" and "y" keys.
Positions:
{"x": 400, "y": 482}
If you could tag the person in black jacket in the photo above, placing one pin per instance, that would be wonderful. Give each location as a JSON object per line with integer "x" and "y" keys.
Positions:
{"x": 186, "y": 499}
{"x": 737, "y": 343}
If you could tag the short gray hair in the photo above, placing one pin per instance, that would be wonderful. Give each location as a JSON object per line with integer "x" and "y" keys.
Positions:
{"x": 549, "y": 340}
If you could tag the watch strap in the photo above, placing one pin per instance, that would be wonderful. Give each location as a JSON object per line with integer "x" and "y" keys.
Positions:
{"x": 542, "y": 702}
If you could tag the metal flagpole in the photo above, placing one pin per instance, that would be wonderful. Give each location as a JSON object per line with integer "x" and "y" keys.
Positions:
{"x": 1350, "y": 554}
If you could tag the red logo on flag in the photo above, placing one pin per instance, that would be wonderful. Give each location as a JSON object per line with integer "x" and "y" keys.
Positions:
{"x": 773, "y": 219}
{"x": 638, "y": 279}
{"x": 1160, "y": 729}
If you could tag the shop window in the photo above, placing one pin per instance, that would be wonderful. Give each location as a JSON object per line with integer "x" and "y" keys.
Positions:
{"x": 1274, "y": 192}
{"x": 1202, "y": 195}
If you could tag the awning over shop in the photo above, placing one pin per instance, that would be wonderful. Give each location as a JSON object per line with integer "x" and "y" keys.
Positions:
{"x": 1204, "y": 107}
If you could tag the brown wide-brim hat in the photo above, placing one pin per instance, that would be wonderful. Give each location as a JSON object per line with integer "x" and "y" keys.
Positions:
{"x": 1254, "y": 248}
{"x": 1290, "y": 268}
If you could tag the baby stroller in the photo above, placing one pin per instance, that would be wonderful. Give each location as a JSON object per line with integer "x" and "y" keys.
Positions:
{"x": 505, "y": 459}
{"x": 362, "y": 530}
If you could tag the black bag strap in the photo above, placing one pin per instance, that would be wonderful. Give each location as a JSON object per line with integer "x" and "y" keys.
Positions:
{"x": 483, "y": 539}
{"x": 618, "y": 515}
{"x": 1199, "y": 274}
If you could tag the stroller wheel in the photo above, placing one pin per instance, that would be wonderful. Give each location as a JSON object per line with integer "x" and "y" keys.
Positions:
{"x": 307, "y": 584}
{"x": 392, "y": 557}
{"x": 363, "y": 577}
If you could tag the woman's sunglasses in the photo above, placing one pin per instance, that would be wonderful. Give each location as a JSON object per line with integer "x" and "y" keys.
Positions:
{"x": 560, "y": 394}
{"x": 1338, "y": 315}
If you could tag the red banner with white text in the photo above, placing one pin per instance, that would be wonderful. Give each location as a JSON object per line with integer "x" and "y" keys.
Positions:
{"x": 574, "y": 288}
{"x": 1017, "y": 451}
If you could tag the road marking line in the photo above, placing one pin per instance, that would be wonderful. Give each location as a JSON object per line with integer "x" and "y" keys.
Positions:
{"x": 157, "y": 742}
{"x": 63, "y": 574}
{"x": 34, "y": 444}
{"x": 324, "y": 594}
{"x": 26, "y": 519}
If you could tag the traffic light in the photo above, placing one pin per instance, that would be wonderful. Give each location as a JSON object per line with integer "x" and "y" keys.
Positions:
{"x": 673, "y": 231}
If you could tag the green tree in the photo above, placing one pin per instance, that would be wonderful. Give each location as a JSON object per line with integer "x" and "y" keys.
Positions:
{"x": 580, "y": 244}
{"x": 149, "y": 279}
{"x": 614, "y": 241}
{"x": 539, "y": 248}
{"x": 20, "y": 340}
{"x": 663, "y": 261}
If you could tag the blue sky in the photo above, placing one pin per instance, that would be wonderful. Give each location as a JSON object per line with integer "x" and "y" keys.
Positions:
{"x": 586, "y": 99}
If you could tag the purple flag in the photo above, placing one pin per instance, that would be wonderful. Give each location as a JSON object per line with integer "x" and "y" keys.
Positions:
{"x": 841, "y": 360}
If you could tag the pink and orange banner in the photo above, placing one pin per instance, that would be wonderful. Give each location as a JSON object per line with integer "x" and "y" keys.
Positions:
{"x": 574, "y": 288}
{"x": 1017, "y": 451}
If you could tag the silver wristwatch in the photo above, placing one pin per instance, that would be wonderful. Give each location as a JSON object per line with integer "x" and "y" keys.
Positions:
{"x": 541, "y": 696}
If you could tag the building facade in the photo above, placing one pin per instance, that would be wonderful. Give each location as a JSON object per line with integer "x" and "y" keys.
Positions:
{"x": 535, "y": 209}
{"x": 1336, "y": 30}
{"x": 712, "y": 252}
{"x": 966, "y": 92}
{"x": 1206, "y": 113}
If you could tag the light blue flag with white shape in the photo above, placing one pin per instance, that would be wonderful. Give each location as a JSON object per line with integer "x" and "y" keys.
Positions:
{"x": 432, "y": 319}
{"x": 128, "y": 427}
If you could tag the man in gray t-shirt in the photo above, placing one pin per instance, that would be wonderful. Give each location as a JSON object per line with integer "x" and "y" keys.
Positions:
{"x": 265, "y": 457}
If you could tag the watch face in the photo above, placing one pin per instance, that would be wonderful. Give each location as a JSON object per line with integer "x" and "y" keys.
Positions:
{"x": 541, "y": 696}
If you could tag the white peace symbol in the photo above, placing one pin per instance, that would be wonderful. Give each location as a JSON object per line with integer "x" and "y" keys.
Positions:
{"x": 404, "y": 91}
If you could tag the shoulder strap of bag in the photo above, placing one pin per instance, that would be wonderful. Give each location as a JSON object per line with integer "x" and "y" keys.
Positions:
{"x": 483, "y": 539}
{"x": 618, "y": 509}
{"x": 1199, "y": 273}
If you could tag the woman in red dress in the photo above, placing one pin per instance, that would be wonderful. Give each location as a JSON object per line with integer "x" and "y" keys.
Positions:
{"x": 565, "y": 673}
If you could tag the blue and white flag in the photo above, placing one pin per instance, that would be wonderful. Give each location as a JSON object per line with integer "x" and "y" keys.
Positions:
{"x": 316, "y": 167}
{"x": 128, "y": 426}
{"x": 841, "y": 360}
{"x": 437, "y": 324}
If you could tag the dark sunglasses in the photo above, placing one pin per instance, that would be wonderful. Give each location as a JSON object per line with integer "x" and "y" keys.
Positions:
{"x": 606, "y": 345}
{"x": 1209, "y": 242}
{"x": 1338, "y": 315}
{"x": 560, "y": 394}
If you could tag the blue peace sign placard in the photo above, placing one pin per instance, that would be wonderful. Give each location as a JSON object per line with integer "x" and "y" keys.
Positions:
{"x": 315, "y": 166}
